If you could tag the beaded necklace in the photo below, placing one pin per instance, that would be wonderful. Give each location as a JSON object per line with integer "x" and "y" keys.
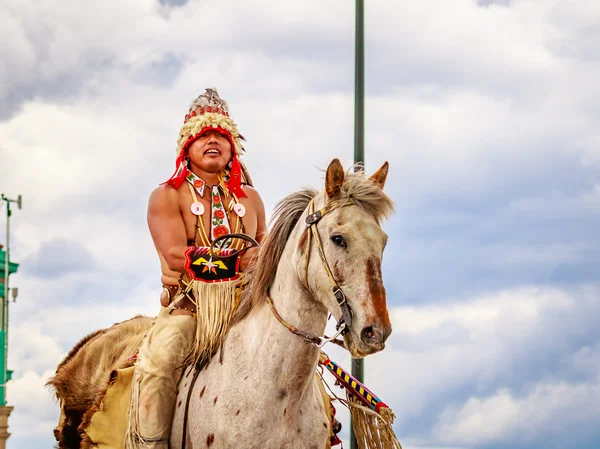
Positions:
{"x": 220, "y": 217}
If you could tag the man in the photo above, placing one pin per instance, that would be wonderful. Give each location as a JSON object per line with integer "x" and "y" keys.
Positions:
{"x": 208, "y": 196}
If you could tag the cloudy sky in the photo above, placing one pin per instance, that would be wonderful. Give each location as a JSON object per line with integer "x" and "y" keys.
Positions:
{"x": 486, "y": 110}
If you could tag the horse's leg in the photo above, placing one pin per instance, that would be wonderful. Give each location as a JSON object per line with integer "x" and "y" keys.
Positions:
{"x": 179, "y": 417}
{"x": 157, "y": 372}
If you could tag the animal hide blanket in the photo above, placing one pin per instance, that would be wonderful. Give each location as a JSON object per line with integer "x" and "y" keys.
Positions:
{"x": 99, "y": 361}
{"x": 106, "y": 428}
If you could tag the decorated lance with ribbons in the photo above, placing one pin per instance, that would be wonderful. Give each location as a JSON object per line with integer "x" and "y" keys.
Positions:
{"x": 371, "y": 417}
{"x": 357, "y": 389}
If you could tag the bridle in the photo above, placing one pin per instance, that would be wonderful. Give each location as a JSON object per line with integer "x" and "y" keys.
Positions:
{"x": 345, "y": 321}
{"x": 312, "y": 219}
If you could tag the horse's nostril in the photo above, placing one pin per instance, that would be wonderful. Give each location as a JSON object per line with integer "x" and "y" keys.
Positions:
{"x": 371, "y": 335}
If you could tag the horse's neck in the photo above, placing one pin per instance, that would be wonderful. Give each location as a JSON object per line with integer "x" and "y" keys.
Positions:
{"x": 288, "y": 359}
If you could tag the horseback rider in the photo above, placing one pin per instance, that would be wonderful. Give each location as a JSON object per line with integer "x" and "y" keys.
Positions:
{"x": 209, "y": 195}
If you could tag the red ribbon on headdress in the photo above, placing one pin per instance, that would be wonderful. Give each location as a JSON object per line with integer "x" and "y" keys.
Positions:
{"x": 235, "y": 173}
{"x": 235, "y": 178}
{"x": 181, "y": 172}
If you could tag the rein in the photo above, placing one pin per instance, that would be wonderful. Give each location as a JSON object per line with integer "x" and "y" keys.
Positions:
{"x": 245, "y": 237}
{"x": 308, "y": 336}
{"x": 345, "y": 321}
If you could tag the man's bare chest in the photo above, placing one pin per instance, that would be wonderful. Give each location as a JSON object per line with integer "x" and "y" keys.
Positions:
{"x": 214, "y": 216}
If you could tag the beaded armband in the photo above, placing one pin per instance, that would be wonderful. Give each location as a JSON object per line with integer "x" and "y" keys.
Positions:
{"x": 202, "y": 267}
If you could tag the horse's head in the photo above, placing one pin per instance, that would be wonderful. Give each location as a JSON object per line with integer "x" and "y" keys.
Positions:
{"x": 347, "y": 220}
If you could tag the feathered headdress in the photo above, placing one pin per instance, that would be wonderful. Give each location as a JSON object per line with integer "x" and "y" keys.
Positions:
{"x": 209, "y": 112}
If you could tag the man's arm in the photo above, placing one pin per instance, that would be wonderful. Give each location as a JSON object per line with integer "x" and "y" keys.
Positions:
{"x": 167, "y": 227}
{"x": 261, "y": 224}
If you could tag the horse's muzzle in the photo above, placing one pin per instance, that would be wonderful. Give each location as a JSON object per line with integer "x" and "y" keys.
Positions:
{"x": 374, "y": 337}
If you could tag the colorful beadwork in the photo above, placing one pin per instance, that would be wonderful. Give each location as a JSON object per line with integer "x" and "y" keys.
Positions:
{"x": 357, "y": 389}
{"x": 196, "y": 181}
{"x": 219, "y": 220}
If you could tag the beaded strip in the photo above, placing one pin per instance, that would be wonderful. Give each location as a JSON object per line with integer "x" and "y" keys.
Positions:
{"x": 201, "y": 230}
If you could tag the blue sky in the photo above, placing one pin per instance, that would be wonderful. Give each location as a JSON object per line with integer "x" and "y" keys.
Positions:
{"x": 486, "y": 110}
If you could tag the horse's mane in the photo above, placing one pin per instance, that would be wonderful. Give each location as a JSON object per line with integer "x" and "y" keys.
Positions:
{"x": 367, "y": 195}
{"x": 262, "y": 273}
{"x": 364, "y": 193}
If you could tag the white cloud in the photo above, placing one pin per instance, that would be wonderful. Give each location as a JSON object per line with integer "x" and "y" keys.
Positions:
{"x": 483, "y": 317}
{"x": 36, "y": 411}
{"x": 430, "y": 37}
{"x": 549, "y": 409}
{"x": 493, "y": 106}
{"x": 434, "y": 350}
{"x": 486, "y": 343}
{"x": 585, "y": 360}
{"x": 36, "y": 351}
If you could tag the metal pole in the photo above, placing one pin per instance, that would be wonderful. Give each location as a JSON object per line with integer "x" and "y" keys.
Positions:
{"x": 359, "y": 143}
{"x": 7, "y": 260}
{"x": 359, "y": 85}
{"x": 5, "y": 300}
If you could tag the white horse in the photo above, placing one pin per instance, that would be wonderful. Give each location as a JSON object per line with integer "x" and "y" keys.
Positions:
{"x": 260, "y": 391}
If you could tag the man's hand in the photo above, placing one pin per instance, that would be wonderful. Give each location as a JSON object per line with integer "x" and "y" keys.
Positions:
{"x": 247, "y": 258}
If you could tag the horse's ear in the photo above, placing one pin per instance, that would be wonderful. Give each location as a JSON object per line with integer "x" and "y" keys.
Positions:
{"x": 380, "y": 175}
{"x": 334, "y": 179}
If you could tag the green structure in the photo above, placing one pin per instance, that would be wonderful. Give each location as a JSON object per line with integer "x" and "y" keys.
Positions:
{"x": 6, "y": 269}
{"x": 5, "y": 373}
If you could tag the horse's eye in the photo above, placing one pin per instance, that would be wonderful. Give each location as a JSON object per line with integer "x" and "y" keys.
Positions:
{"x": 339, "y": 241}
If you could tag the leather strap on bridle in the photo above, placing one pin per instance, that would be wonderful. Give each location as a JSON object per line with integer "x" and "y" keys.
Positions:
{"x": 311, "y": 220}
{"x": 345, "y": 321}
{"x": 187, "y": 404}
{"x": 308, "y": 336}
